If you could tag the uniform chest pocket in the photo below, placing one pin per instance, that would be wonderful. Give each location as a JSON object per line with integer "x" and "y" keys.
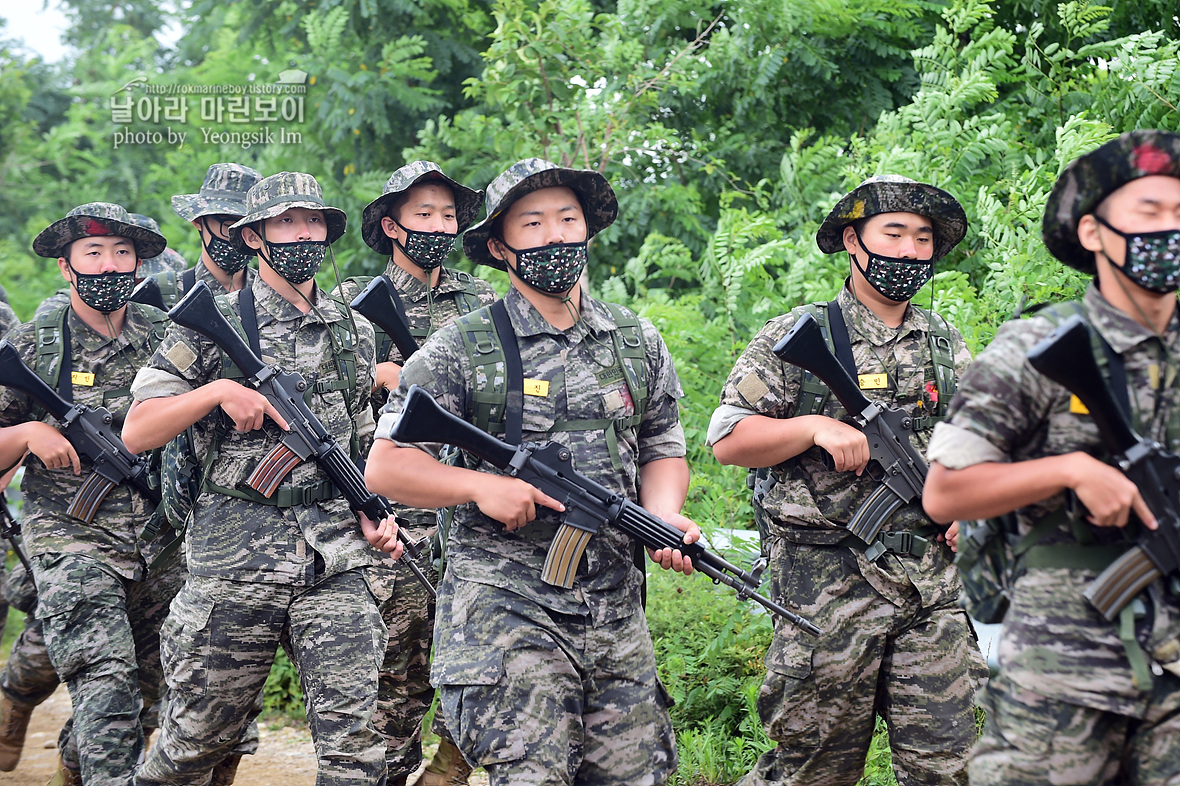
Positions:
{"x": 540, "y": 404}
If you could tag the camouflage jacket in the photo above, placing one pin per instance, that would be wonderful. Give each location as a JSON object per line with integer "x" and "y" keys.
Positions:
{"x": 237, "y": 539}
{"x": 202, "y": 274}
{"x": 8, "y": 318}
{"x": 113, "y": 536}
{"x": 1054, "y": 642}
{"x": 808, "y": 492}
{"x": 479, "y": 548}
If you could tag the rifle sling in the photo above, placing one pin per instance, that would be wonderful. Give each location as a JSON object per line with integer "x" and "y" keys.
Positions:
{"x": 65, "y": 376}
{"x": 249, "y": 317}
{"x": 188, "y": 278}
{"x": 514, "y": 375}
{"x": 840, "y": 338}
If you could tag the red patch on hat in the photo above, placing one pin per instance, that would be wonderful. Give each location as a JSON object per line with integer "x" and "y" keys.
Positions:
{"x": 95, "y": 227}
{"x": 1152, "y": 160}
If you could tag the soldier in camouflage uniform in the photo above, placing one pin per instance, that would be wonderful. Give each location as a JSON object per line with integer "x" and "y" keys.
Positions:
{"x": 101, "y": 614}
{"x": 541, "y": 684}
{"x": 288, "y": 569}
{"x": 895, "y": 643}
{"x": 1077, "y": 702}
{"x": 416, "y": 222}
{"x": 168, "y": 259}
{"x": 220, "y": 202}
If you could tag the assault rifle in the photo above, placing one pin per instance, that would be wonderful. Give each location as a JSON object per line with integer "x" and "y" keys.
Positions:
{"x": 89, "y": 430}
{"x": 148, "y": 293}
{"x": 1067, "y": 358}
{"x": 887, "y": 430}
{"x": 307, "y": 437}
{"x": 376, "y": 304}
{"x": 588, "y": 505}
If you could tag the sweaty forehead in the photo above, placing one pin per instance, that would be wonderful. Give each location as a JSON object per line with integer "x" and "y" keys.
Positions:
{"x": 911, "y": 221}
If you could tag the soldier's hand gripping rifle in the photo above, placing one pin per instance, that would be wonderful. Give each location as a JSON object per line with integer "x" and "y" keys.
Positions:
{"x": 375, "y": 303}
{"x": 1067, "y": 358}
{"x": 588, "y": 505}
{"x": 307, "y": 437}
{"x": 90, "y": 430}
{"x": 887, "y": 430}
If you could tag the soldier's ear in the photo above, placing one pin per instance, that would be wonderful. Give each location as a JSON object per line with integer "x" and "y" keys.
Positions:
{"x": 851, "y": 243}
{"x": 495, "y": 249}
{"x": 389, "y": 227}
{"x": 63, "y": 265}
{"x": 251, "y": 238}
{"x": 1089, "y": 233}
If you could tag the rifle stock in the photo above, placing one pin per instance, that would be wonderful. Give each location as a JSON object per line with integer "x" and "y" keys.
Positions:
{"x": 1067, "y": 358}
{"x": 307, "y": 436}
{"x": 148, "y": 293}
{"x": 804, "y": 346}
{"x": 375, "y": 303}
{"x": 588, "y": 504}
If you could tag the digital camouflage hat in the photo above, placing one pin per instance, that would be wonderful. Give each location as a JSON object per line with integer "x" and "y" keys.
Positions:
{"x": 401, "y": 181}
{"x": 279, "y": 193}
{"x": 97, "y": 219}
{"x": 166, "y": 260}
{"x": 895, "y": 194}
{"x": 222, "y": 193}
{"x": 1091, "y": 178}
{"x": 532, "y": 174}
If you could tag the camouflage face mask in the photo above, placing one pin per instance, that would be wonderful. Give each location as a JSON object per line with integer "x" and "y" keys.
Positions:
{"x": 551, "y": 269}
{"x": 427, "y": 250}
{"x": 897, "y": 279}
{"x": 224, "y": 254}
{"x": 105, "y": 292}
{"x": 1152, "y": 259}
{"x": 297, "y": 262}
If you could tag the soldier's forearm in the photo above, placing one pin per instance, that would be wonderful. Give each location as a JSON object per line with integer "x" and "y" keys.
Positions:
{"x": 760, "y": 441}
{"x": 993, "y": 488}
{"x": 414, "y": 478}
{"x": 152, "y": 423}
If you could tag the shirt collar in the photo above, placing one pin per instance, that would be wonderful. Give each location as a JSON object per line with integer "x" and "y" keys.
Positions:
{"x": 527, "y": 320}
{"x": 1119, "y": 329}
{"x": 273, "y": 307}
{"x": 412, "y": 289}
{"x": 863, "y": 322}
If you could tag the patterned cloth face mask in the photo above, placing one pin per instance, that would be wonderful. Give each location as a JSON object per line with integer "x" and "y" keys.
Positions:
{"x": 1152, "y": 259}
{"x": 551, "y": 269}
{"x": 297, "y": 262}
{"x": 427, "y": 250}
{"x": 105, "y": 292}
{"x": 895, "y": 278}
{"x": 224, "y": 254}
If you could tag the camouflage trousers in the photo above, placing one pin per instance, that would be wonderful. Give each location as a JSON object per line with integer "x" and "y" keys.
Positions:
{"x": 29, "y": 676}
{"x": 1032, "y": 739}
{"x": 918, "y": 668}
{"x": 538, "y": 697}
{"x": 404, "y": 693}
{"x": 218, "y": 646}
{"x": 102, "y": 633}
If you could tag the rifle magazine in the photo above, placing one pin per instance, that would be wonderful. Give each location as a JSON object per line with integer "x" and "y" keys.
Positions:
{"x": 269, "y": 473}
{"x": 565, "y": 554}
{"x": 85, "y": 503}
{"x": 1118, "y": 585}
{"x": 871, "y": 516}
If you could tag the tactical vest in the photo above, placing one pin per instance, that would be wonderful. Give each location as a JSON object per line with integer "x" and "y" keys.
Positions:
{"x": 496, "y": 405}
{"x": 466, "y": 299}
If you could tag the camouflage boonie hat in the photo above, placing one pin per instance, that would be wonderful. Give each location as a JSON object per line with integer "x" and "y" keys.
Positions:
{"x": 279, "y": 193}
{"x": 532, "y": 174}
{"x": 97, "y": 219}
{"x": 401, "y": 181}
{"x": 896, "y": 194}
{"x": 222, "y": 193}
{"x": 168, "y": 260}
{"x": 1089, "y": 179}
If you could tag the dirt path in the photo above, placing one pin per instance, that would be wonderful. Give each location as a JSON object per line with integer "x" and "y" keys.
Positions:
{"x": 285, "y": 756}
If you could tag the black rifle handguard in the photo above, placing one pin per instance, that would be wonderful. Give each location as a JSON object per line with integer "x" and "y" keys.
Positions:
{"x": 307, "y": 436}
{"x": 588, "y": 505}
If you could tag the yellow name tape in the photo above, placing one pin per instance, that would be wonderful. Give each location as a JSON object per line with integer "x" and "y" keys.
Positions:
{"x": 1077, "y": 407}
{"x": 872, "y": 381}
{"x": 536, "y": 387}
{"x": 82, "y": 378}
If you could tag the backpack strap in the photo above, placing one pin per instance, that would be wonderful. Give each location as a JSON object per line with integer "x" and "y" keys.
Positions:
{"x": 813, "y": 393}
{"x": 942, "y": 362}
{"x": 514, "y": 374}
{"x": 53, "y": 337}
{"x": 467, "y": 299}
